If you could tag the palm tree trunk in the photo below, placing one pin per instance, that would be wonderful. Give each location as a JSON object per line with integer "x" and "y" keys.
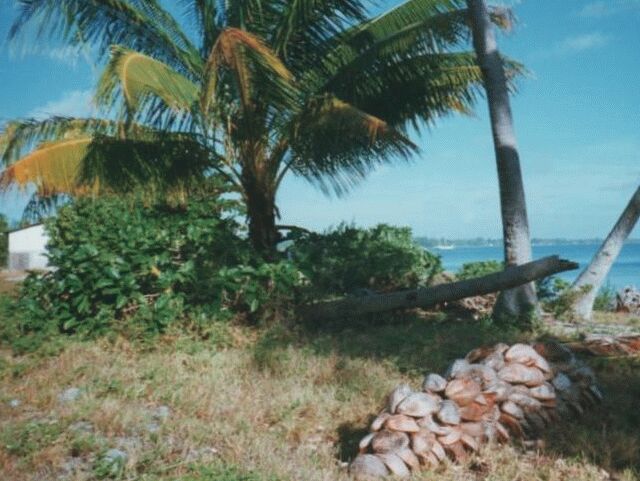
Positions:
{"x": 592, "y": 277}
{"x": 261, "y": 213}
{"x": 522, "y": 302}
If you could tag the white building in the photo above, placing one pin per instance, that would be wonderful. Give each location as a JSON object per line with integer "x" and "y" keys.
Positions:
{"x": 28, "y": 248}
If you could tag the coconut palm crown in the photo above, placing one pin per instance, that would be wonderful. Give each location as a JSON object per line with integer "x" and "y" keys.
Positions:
{"x": 247, "y": 89}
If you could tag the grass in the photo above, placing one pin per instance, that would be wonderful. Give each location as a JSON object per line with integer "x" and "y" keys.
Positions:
{"x": 273, "y": 405}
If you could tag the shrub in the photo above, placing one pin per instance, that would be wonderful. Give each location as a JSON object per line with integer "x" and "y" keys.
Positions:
{"x": 346, "y": 259}
{"x": 606, "y": 299}
{"x": 120, "y": 262}
{"x": 478, "y": 269}
{"x": 4, "y": 240}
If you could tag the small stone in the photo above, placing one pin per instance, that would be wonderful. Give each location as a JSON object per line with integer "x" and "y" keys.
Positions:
{"x": 112, "y": 463}
{"x": 70, "y": 395}
{"x": 81, "y": 427}
{"x": 162, "y": 413}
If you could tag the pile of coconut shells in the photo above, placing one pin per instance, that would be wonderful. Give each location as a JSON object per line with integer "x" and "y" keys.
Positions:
{"x": 501, "y": 393}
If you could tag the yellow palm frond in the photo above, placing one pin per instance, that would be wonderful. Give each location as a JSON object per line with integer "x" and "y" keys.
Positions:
{"x": 53, "y": 168}
{"x": 237, "y": 50}
{"x": 138, "y": 75}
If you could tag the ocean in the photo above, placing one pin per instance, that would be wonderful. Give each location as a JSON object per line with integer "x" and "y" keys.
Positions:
{"x": 625, "y": 271}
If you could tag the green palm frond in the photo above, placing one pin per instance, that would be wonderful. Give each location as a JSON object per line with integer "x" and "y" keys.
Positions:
{"x": 336, "y": 145}
{"x": 136, "y": 76}
{"x": 136, "y": 24}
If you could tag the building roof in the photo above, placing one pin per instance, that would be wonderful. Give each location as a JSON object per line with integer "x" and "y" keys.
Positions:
{"x": 23, "y": 228}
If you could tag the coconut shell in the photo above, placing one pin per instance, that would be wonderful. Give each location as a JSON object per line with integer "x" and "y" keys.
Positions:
{"x": 389, "y": 441}
{"x": 459, "y": 366}
{"x": 428, "y": 459}
{"x": 449, "y": 413}
{"x": 395, "y": 464}
{"x": 473, "y": 412}
{"x": 525, "y": 401}
{"x": 400, "y": 422}
{"x": 500, "y": 389}
{"x": 366, "y": 442}
{"x": 511, "y": 408}
{"x": 379, "y": 421}
{"x": 418, "y": 405}
{"x": 438, "y": 451}
{"x": 409, "y": 458}
{"x": 527, "y": 355}
{"x": 397, "y": 396}
{"x": 470, "y": 442}
{"x": 520, "y": 374}
{"x": 462, "y": 391}
{"x": 431, "y": 425}
{"x": 473, "y": 429}
{"x": 434, "y": 383}
{"x": 422, "y": 441}
{"x": 368, "y": 466}
{"x": 544, "y": 392}
{"x": 453, "y": 437}
{"x": 457, "y": 451}
{"x": 512, "y": 424}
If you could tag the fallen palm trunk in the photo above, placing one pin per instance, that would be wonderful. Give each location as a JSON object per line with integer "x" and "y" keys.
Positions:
{"x": 430, "y": 296}
{"x": 494, "y": 394}
{"x": 603, "y": 345}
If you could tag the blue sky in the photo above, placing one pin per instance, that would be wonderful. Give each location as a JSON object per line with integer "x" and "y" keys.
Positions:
{"x": 577, "y": 119}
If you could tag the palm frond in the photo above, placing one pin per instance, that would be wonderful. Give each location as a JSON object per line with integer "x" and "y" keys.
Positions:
{"x": 203, "y": 16}
{"x": 53, "y": 168}
{"x": 136, "y": 76}
{"x": 136, "y": 24}
{"x": 335, "y": 145}
{"x": 247, "y": 57}
{"x": 19, "y": 137}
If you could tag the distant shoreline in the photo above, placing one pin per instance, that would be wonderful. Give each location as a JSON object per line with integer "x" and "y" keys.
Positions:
{"x": 482, "y": 242}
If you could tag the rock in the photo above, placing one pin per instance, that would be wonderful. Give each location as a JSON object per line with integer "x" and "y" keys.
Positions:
{"x": 368, "y": 466}
{"x": 81, "y": 427}
{"x": 161, "y": 413}
{"x": 520, "y": 374}
{"x": 397, "y": 396}
{"x": 400, "y": 422}
{"x": 418, "y": 405}
{"x": 389, "y": 441}
{"x": 112, "y": 463}
{"x": 449, "y": 413}
{"x": 70, "y": 395}
{"x": 434, "y": 383}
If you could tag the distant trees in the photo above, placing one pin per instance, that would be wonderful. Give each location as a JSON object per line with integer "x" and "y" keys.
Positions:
{"x": 586, "y": 286}
{"x": 251, "y": 90}
{"x": 520, "y": 302}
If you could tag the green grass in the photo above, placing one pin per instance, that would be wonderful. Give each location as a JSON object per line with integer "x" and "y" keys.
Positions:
{"x": 279, "y": 404}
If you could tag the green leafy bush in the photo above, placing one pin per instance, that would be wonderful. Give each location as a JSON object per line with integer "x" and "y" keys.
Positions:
{"x": 120, "y": 262}
{"x": 346, "y": 259}
{"x": 478, "y": 269}
{"x": 606, "y": 299}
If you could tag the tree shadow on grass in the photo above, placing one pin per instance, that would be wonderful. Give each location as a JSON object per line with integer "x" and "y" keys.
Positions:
{"x": 608, "y": 434}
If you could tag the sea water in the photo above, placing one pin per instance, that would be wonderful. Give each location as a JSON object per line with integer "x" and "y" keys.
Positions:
{"x": 625, "y": 271}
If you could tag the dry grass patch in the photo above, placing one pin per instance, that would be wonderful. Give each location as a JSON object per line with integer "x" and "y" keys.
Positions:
{"x": 281, "y": 408}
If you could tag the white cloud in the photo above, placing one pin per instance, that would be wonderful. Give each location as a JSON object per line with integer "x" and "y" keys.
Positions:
{"x": 603, "y": 8}
{"x": 581, "y": 43}
{"x": 74, "y": 103}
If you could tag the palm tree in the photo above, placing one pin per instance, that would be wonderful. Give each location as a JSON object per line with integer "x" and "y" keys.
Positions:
{"x": 520, "y": 302}
{"x": 248, "y": 89}
{"x": 590, "y": 280}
